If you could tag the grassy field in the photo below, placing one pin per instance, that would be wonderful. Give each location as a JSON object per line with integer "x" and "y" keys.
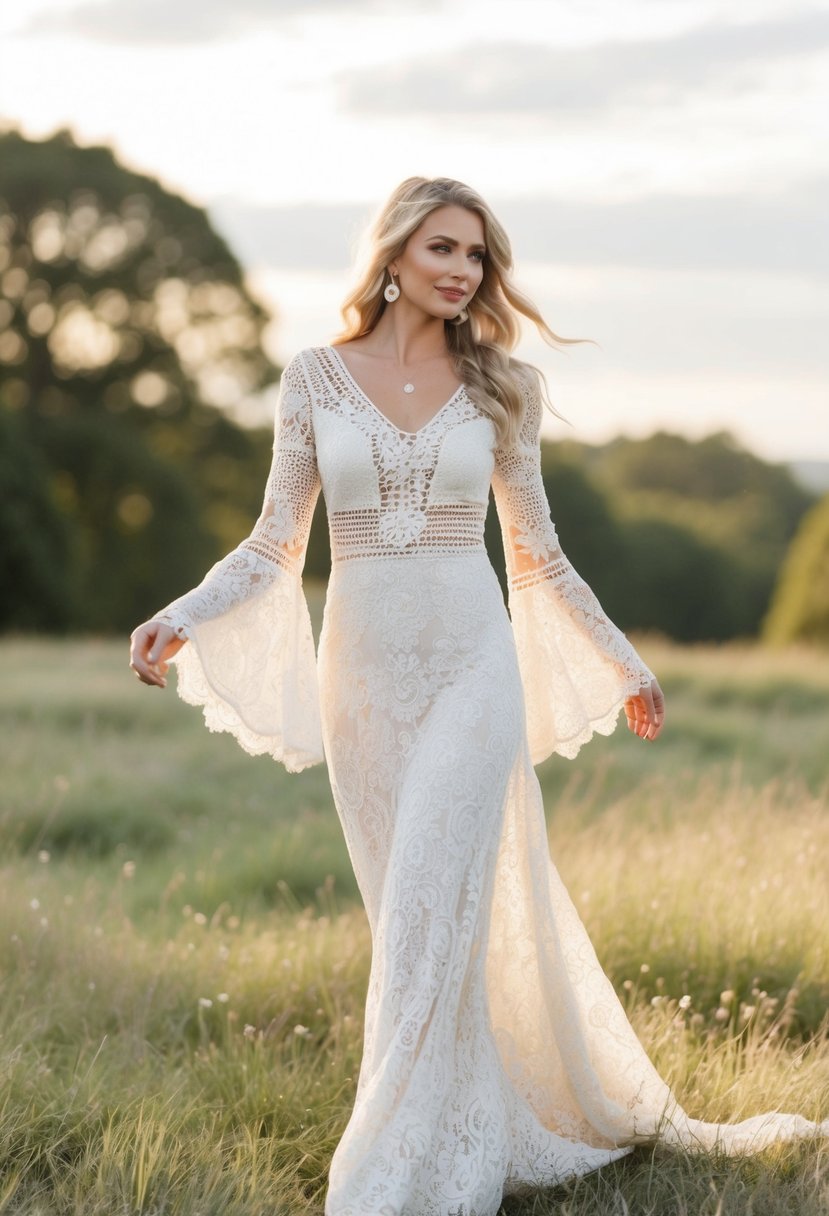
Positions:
{"x": 184, "y": 956}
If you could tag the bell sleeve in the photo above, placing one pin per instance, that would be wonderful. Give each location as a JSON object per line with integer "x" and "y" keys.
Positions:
{"x": 249, "y": 660}
{"x": 577, "y": 667}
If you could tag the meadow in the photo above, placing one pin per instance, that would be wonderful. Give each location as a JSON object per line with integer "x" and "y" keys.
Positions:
{"x": 184, "y": 955}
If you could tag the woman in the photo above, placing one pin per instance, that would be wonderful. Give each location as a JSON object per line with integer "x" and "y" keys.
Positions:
{"x": 496, "y": 1053}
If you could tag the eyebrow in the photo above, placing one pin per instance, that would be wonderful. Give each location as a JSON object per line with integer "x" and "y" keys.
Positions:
{"x": 450, "y": 240}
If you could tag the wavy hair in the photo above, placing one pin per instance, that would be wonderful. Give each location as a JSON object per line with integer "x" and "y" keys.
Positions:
{"x": 480, "y": 347}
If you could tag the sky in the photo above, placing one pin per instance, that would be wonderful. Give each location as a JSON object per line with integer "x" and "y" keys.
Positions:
{"x": 661, "y": 166}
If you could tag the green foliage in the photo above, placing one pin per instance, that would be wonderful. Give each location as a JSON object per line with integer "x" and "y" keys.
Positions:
{"x": 36, "y": 541}
{"x": 701, "y": 529}
{"x": 800, "y": 608}
{"x": 125, "y": 329}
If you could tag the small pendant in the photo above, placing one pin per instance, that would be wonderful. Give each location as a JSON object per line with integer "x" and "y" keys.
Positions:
{"x": 408, "y": 388}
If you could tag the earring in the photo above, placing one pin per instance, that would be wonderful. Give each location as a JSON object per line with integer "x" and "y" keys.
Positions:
{"x": 392, "y": 290}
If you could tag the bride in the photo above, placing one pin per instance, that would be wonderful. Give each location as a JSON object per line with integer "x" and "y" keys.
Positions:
{"x": 496, "y": 1053}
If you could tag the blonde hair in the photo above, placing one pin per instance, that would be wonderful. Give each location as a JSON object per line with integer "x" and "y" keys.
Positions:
{"x": 480, "y": 347}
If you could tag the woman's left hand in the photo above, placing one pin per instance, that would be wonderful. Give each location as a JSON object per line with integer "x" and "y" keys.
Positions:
{"x": 646, "y": 711}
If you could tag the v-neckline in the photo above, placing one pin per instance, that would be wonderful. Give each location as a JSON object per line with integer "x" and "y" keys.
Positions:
{"x": 400, "y": 431}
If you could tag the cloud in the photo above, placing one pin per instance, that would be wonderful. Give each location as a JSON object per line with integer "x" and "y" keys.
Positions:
{"x": 487, "y": 78}
{"x": 783, "y": 232}
{"x": 162, "y": 22}
{"x": 305, "y": 237}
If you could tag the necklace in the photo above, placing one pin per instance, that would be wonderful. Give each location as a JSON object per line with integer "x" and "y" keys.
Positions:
{"x": 408, "y": 388}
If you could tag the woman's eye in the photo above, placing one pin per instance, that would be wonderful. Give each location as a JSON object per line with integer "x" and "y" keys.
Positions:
{"x": 477, "y": 254}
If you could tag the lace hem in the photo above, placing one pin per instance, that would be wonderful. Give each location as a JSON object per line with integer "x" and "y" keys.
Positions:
{"x": 576, "y": 667}
{"x": 253, "y": 671}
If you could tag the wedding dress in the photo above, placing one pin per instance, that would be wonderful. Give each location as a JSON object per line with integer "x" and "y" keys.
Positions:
{"x": 496, "y": 1052}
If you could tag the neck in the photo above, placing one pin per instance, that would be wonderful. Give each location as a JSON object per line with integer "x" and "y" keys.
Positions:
{"x": 406, "y": 336}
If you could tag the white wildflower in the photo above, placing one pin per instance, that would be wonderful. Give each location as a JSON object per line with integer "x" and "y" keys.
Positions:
{"x": 205, "y": 1002}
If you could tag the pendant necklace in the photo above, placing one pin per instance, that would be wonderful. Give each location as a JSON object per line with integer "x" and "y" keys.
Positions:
{"x": 408, "y": 388}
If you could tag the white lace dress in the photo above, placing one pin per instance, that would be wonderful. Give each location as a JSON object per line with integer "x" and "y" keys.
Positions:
{"x": 496, "y": 1052}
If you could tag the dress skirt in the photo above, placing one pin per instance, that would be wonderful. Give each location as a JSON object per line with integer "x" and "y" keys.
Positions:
{"x": 423, "y": 723}
{"x": 497, "y": 1054}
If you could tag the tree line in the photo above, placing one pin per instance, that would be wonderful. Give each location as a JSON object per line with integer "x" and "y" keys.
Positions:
{"x": 126, "y": 331}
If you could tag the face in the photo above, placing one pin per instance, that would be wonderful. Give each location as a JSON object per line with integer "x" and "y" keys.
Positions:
{"x": 441, "y": 266}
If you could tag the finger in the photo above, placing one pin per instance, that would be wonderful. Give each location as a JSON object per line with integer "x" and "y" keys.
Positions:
{"x": 146, "y": 674}
{"x": 642, "y": 716}
{"x": 659, "y": 708}
{"x": 639, "y": 723}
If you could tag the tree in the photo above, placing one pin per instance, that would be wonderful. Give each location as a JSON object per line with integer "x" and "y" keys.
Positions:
{"x": 126, "y": 331}
{"x": 741, "y": 510}
{"x": 800, "y": 607}
{"x": 36, "y": 542}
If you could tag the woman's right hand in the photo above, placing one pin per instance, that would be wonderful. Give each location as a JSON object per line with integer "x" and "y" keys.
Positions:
{"x": 645, "y": 712}
{"x": 151, "y": 645}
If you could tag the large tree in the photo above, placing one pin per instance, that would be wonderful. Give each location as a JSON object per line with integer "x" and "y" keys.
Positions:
{"x": 126, "y": 332}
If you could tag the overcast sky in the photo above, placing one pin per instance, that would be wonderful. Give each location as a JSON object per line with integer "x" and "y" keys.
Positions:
{"x": 662, "y": 167}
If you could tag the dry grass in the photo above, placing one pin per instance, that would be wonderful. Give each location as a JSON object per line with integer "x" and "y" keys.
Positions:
{"x": 184, "y": 959}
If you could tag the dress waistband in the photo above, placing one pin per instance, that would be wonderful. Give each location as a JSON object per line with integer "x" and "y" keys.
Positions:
{"x": 405, "y": 532}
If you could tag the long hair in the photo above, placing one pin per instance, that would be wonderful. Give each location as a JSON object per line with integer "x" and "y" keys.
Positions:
{"x": 479, "y": 347}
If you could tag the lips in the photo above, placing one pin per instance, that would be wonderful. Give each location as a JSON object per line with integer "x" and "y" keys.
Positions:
{"x": 451, "y": 293}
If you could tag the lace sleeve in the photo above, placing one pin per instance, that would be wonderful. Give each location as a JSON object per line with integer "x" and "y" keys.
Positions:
{"x": 250, "y": 659}
{"x": 577, "y": 667}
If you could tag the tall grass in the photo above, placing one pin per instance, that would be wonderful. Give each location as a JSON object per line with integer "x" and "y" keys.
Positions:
{"x": 184, "y": 957}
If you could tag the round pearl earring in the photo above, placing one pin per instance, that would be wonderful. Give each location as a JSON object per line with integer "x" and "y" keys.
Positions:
{"x": 392, "y": 290}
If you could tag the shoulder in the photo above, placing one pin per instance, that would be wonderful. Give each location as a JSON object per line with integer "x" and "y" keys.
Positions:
{"x": 307, "y": 357}
{"x": 301, "y": 373}
{"x": 528, "y": 380}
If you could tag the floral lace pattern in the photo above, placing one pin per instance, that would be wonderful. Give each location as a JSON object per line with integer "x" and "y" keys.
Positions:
{"x": 496, "y": 1053}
